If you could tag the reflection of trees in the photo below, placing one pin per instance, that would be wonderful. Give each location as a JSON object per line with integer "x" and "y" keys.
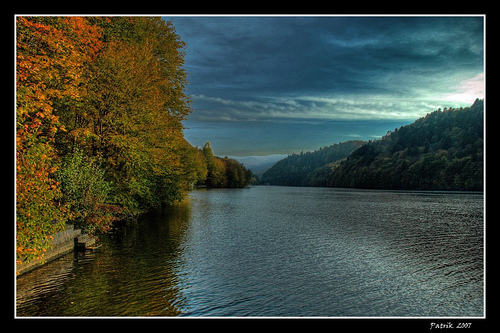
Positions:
{"x": 133, "y": 274}
{"x": 33, "y": 286}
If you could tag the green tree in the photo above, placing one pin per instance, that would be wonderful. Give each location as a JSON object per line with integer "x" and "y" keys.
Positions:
{"x": 86, "y": 193}
{"x": 216, "y": 169}
{"x": 235, "y": 173}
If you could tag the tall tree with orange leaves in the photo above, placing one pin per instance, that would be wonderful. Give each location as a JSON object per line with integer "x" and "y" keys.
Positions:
{"x": 51, "y": 56}
{"x": 100, "y": 102}
{"x": 131, "y": 118}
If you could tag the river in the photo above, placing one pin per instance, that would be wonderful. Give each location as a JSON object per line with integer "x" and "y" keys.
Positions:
{"x": 277, "y": 251}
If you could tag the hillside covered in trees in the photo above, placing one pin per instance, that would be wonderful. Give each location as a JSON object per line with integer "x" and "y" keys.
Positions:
{"x": 99, "y": 106}
{"x": 441, "y": 151}
{"x": 294, "y": 169}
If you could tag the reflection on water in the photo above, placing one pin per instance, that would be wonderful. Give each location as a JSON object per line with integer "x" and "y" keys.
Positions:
{"x": 277, "y": 251}
{"x": 132, "y": 274}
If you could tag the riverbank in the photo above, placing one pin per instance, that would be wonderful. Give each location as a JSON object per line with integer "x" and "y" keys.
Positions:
{"x": 63, "y": 242}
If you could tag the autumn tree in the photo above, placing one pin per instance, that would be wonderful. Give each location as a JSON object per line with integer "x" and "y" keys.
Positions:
{"x": 99, "y": 100}
{"x": 195, "y": 166}
{"x": 135, "y": 108}
{"x": 99, "y": 134}
{"x": 131, "y": 116}
{"x": 224, "y": 172}
{"x": 216, "y": 169}
{"x": 50, "y": 57}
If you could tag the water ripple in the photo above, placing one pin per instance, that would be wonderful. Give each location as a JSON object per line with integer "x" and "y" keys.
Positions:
{"x": 278, "y": 251}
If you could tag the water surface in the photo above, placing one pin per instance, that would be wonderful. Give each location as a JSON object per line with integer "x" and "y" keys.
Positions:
{"x": 277, "y": 251}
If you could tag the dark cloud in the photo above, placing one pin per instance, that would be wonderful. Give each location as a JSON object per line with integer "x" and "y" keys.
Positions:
{"x": 249, "y": 68}
{"x": 279, "y": 55}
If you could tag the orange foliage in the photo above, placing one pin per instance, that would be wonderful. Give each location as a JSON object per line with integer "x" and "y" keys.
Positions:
{"x": 51, "y": 55}
{"x": 112, "y": 88}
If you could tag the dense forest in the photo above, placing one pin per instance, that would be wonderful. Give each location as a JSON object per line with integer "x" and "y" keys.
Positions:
{"x": 295, "y": 169}
{"x": 99, "y": 136}
{"x": 441, "y": 151}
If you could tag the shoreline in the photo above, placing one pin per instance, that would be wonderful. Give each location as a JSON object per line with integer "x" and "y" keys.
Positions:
{"x": 64, "y": 242}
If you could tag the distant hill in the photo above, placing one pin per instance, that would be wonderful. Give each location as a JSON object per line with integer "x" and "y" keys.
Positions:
{"x": 441, "y": 151}
{"x": 259, "y": 164}
{"x": 295, "y": 169}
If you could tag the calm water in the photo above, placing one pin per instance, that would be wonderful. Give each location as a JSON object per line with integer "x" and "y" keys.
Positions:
{"x": 277, "y": 251}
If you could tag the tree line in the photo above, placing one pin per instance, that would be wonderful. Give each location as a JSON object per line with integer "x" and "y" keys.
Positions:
{"x": 295, "y": 168}
{"x": 99, "y": 135}
{"x": 222, "y": 172}
{"x": 441, "y": 151}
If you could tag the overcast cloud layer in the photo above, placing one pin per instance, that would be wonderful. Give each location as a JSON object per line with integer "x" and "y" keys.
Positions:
{"x": 331, "y": 68}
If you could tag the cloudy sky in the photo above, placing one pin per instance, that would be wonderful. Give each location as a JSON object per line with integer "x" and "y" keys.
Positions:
{"x": 274, "y": 85}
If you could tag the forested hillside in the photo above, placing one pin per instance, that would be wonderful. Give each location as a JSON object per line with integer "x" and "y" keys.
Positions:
{"x": 442, "y": 151}
{"x": 99, "y": 105}
{"x": 295, "y": 169}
